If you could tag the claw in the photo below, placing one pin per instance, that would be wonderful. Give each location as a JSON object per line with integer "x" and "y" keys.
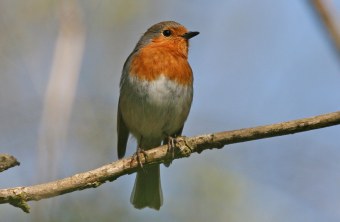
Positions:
{"x": 171, "y": 146}
{"x": 171, "y": 142}
{"x": 136, "y": 156}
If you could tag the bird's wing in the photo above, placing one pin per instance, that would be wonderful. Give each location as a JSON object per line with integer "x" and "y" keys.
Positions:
{"x": 123, "y": 134}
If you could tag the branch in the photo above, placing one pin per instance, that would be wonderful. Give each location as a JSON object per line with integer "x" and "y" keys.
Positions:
{"x": 7, "y": 161}
{"x": 18, "y": 196}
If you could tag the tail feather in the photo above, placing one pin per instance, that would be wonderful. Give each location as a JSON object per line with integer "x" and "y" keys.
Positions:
{"x": 147, "y": 191}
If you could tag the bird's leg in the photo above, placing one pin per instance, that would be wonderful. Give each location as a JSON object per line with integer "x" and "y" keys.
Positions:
{"x": 171, "y": 142}
{"x": 171, "y": 146}
{"x": 138, "y": 154}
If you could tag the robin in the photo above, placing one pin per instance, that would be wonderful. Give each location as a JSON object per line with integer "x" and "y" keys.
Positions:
{"x": 156, "y": 90}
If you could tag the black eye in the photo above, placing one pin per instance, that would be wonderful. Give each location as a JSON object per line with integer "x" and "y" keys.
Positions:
{"x": 166, "y": 32}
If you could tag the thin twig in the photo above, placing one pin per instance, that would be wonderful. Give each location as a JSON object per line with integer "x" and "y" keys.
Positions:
{"x": 185, "y": 146}
{"x": 7, "y": 161}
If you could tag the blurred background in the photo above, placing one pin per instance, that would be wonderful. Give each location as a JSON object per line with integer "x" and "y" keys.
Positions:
{"x": 255, "y": 63}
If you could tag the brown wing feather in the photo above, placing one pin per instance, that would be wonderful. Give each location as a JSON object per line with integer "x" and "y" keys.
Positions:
{"x": 123, "y": 134}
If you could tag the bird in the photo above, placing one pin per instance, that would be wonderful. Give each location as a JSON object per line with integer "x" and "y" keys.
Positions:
{"x": 156, "y": 93}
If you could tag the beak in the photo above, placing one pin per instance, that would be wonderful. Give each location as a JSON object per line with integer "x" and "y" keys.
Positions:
{"x": 189, "y": 35}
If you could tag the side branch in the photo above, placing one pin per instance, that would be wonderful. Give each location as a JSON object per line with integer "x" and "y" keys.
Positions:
{"x": 18, "y": 196}
{"x": 7, "y": 161}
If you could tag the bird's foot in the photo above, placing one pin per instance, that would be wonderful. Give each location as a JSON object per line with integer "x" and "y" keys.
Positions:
{"x": 171, "y": 142}
{"x": 137, "y": 155}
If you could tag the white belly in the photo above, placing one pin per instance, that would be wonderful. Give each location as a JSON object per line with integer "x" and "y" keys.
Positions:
{"x": 155, "y": 109}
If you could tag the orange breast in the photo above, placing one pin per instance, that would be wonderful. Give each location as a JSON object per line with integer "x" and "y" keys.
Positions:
{"x": 152, "y": 61}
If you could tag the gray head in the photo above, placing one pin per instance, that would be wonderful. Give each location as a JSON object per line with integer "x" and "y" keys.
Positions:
{"x": 165, "y": 31}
